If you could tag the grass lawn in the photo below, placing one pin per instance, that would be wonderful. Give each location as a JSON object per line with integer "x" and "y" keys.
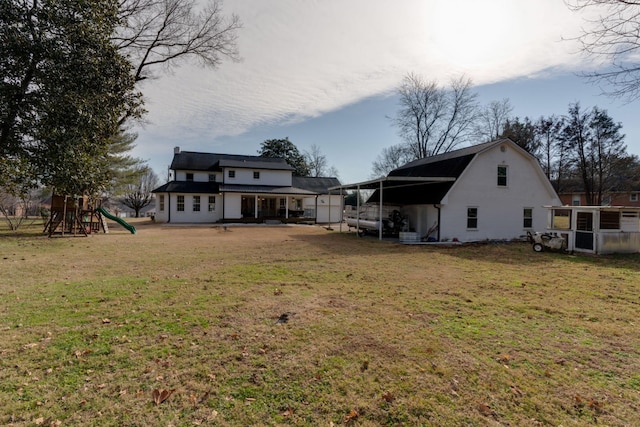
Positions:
{"x": 179, "y": 326}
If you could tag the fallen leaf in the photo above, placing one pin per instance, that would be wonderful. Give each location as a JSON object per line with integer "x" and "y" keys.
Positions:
{"x": 287, "y": 413}
{"x": 106, "y": 320}
{"x": 388, "y": 397}
{"x": 596, "y": 405}
{"x": 160, "y": 396}
{"x": 351, "y": 416}
{"x": 485, "y": 410}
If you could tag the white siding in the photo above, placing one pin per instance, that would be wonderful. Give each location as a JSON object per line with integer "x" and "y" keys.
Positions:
{"x": 232, "y": 205}
{"x": 171, "y": 213}
{"x": 323, "y": 213}
{"x": 267, "y": 177}
{"x": 421, "y": 218}
{"x": 500, "y": 209}
{"x": 162, "y": 216}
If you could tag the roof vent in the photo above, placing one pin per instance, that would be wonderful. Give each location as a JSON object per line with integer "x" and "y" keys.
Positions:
{"x": 176, "y": 150}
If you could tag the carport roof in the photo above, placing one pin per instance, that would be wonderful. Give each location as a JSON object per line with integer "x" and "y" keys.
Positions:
{"x": 393, "y": 182}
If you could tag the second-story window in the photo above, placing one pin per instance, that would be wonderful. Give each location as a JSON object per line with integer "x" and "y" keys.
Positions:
{"x": 189, "y": 176}
{"x": 502, "y": 176}
{"x": 232, "y": 174}
{"x": 256, "y": 175}
{"x": 212, "y": 177}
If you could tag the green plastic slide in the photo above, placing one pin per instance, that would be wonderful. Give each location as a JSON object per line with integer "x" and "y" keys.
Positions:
{"x": 120, "y": 221}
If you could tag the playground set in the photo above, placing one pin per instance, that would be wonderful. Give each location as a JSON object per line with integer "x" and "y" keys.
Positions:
{"x": 80, "y": 216}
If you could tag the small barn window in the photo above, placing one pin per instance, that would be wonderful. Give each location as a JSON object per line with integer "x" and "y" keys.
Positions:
{"x": 212, "y": 203}
{"x": 472, "y": 217}
{"x": 256, "y": 175}
{"x": 633, "y": 197}
{"x": 212, "y": 177}
{"x": 161, "y": 202}
{"x": 527, "y": 218}
{"x": 232, "y": 174}
{"x": 609, "y": 220}
{"x": 196, "y": 203}
{"x": 502, "y": 176}
{"x": 180, "y": 204}
{"x": 189, "y": 176}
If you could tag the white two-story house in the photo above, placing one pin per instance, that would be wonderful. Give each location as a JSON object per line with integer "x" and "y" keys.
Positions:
{"x": 209, "y": 187}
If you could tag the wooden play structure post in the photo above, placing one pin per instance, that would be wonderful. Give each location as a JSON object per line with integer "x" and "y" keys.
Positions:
{"x": 75, "y": 215}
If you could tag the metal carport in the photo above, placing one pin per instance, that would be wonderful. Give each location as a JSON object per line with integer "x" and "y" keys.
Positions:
{"x": 387, "y": 183}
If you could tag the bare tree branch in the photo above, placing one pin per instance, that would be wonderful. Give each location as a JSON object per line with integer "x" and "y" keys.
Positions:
{"x": 162, "y": 32}
{"x": 434, "y": 120}
{"x": 613, "y": 37}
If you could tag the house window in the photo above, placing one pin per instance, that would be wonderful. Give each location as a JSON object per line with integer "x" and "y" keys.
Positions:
{"x": 527, "y": 218}
{"x": 472, "y": 217}
{"x": 633, "y": 197}
{"x": 212, "y": 177}
{"x": 256, "y": 175}
{"x": 232, "y": 174}
{"x": 189, "y": 176}
{"x": 502, "y": 176}
{"x": 180, "y": 204}
{"x": 575, "y": 201}
{"x": 606, "y": 201}
{"x": 212, "y": 203}
{"x": 609, "y": 220}
{"x": 196, "y": 203}
{"x": 161, "y": 202}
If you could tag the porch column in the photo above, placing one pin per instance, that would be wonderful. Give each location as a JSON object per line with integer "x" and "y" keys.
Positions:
{"x": 286, "y": 207}
{"x": 255, "y": 208}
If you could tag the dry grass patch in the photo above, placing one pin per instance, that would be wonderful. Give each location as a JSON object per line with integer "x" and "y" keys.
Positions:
{"x": 373, "y": 333}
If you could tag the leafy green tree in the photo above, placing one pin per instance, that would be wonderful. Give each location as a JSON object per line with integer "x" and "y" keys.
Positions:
{"x": 597, "y": 149}
{"x": 64, "y": 89}
{"x": 124, "y": 169}
{"x": 552, "y": 153}
{"x": 522, "y": 132}
{"x": 285, "y": 149}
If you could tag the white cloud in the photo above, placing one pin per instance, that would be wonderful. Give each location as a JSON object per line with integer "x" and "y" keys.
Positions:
{"x": 303, "y": 58}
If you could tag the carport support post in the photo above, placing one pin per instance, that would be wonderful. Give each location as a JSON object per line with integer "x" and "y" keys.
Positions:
{"x": 380, "y": 219}
{"x": 341, "y": 208}
{"x": 358, "y": 212}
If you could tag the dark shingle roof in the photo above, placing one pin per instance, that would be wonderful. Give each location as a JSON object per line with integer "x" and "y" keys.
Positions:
{"x": 318, "y": 185}
{"x": 188, "y": 187}
{"x": 450, "y": 164}
{"x": 191, "y": 160}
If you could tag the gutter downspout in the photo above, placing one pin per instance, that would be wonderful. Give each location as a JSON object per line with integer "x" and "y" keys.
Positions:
{"x": 168, "y": 207}
{"x": 438, "y": 207}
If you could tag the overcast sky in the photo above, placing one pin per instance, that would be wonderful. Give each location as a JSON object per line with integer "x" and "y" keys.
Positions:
{"x": 325, "y": 72}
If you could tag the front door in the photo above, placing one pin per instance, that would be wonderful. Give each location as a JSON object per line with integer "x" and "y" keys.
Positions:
{"x": 584, "y": 231}
{"x": 267, "y": 207}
